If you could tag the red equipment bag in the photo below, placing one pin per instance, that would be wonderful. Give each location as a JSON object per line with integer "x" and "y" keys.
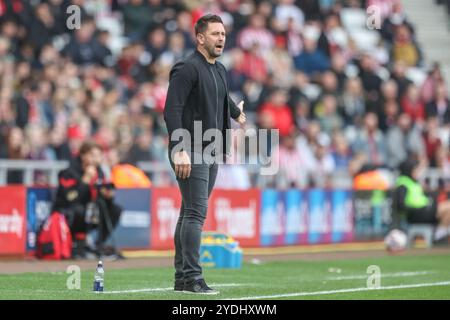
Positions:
{"x": 54, "y": 240}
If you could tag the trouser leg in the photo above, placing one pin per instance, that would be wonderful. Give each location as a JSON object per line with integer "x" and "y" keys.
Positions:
{"x": 195, "y": 192}
{"x": 178, "y": 262}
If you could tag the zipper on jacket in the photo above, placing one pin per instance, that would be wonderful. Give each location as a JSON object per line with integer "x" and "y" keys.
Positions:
{"x": 217, "y": 96}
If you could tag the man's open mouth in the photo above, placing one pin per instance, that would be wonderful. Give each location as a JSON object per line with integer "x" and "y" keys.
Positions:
{"x": 219, "y": 46}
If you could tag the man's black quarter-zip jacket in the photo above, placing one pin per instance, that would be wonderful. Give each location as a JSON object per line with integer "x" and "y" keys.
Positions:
{"x": 192, "y": 96}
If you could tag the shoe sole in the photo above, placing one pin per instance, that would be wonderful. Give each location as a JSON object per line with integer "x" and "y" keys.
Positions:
{"x": 202, "y": 293}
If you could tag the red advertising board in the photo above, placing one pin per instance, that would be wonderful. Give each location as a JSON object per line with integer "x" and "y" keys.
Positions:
{"x": 165, "y": 209}
{"x": 235, "y": 213}
{"x": 12, "y": 220}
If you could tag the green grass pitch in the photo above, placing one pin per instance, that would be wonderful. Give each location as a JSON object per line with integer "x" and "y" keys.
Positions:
{"x": 402, "y": 277}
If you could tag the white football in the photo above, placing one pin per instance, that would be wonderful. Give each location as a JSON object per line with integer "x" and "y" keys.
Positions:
{"x": 396, "y": 241}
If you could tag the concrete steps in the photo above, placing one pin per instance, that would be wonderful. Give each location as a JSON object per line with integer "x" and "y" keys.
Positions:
{"x": 432, "y": 31}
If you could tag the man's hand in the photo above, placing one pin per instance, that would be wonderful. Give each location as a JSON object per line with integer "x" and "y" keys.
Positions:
{"x": 107, "y": 193}
{"x": 241, "y": 119}
{"x": 182, "y": 164}
{"x": 89, "y": 174}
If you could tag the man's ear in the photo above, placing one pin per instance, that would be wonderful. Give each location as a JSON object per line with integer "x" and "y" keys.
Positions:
{"x": 201, "y": 38}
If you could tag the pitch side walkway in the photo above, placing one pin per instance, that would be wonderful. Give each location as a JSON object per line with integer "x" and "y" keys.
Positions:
{"x": 145, "y": 259}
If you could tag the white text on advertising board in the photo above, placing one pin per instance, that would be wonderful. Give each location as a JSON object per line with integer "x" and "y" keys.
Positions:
{"x": 11, "y": 223}
{"x": 237, "y": 222}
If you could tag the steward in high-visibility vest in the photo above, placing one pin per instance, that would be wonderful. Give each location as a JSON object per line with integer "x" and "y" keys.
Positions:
{"x": 410, "y": 197}
{"x": 415, "y": 196}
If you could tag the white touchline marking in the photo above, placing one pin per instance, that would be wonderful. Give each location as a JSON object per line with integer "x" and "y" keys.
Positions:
{"x": 384, "y": 275}
{"x": 220, "y": 285}
{"x": 299, "y": 294}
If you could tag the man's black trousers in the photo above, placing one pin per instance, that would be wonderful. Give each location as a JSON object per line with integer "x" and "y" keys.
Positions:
{"x": 195, "y": 192}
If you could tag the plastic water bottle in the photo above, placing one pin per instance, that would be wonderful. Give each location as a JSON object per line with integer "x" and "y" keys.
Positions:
{"x": 99, "y": 277}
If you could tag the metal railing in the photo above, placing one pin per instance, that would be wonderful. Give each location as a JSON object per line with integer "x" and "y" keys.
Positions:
{"x": 160, "y": 173}
{"x": 29, "y": 168}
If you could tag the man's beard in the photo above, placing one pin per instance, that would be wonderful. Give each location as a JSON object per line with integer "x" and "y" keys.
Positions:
{"x": 211, "y": 51}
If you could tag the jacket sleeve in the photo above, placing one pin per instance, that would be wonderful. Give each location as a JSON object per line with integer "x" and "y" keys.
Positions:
{"x": 70, "y": 191}
{"x": 234, "y": 110}
{"x": 183, "y": 78}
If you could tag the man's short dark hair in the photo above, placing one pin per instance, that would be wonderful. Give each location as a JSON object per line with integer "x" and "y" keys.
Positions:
{"x": 202, "y": 23}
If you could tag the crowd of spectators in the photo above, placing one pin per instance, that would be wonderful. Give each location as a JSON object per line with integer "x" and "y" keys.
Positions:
{"x": 344, "y": 97}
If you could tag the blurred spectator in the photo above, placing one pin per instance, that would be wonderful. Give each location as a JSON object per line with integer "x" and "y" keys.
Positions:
{"x": 388, "y": 116}
{"x": 140, "y": 150}
{"x": 294, "y": 167}
{"x": 327, "y": 114}
{"x": 404, "y": 48}
{"x": 399, "y": 76}
{"x": 370, "y": 80}
{"x": 175, "y": 51}
{"x": 256, "y": 33}
{"x": 370, "y": 142}
{"x": 324, "y": 164}
{"x": 333, "y": 38}
{"x": 384, "y": 6}
{"x": 44, "y": 26}
{"x": 412, "y": 105}
{"x": 353, "y": 102}
{"x": 312, "y": 59}
{"x": 302, "y": 114}
{"x": 434, "y": 77}
{"x": 137, "y": 18}
{"x": 440, "y": 106}
{"x": 276, "y": 114}
{"x": 404, "y": 141}
{"x": 279, "y": 63}
{"x": 432, "y": 140}
{"x": 17, "y": 149}
{"x": 84, "y": 48}
{"x": 341, "y": 151}
{"x": 395, "y": 18}
{"x": 286, "y": 11}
